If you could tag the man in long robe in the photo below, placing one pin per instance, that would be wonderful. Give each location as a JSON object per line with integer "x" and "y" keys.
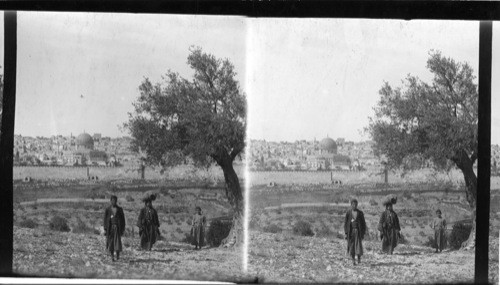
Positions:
{"x": 148, "y": 224}
{"x": 198, "y": 229}
{"x": 389, "y": 229}
{"x": 114, "y": 227}
{"x": 355, "y": 228}
{"x": 439, "y": 226}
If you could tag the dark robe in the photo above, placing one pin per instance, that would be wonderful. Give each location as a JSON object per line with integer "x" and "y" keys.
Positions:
{"x": 148, "y": 224}
{"x": 389, "y": 230}
{"x": 198, "y": 230}
{"x": 355, "y": 230}
{"x": 439, "y": 226}
{"x": 114, "y": 227}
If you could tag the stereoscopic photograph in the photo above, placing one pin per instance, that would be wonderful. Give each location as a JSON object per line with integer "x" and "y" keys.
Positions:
{"x": 128, "y": 148}
{"x": 240, "y": 149}
{"x": 363, "y": 142}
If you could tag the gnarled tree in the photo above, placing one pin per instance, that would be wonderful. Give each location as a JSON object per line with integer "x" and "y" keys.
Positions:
{"x": 436, "y": 122}
{"x": 203, "y": 119}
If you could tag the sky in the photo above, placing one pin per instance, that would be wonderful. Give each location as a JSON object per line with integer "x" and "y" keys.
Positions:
{"x": 304, "y": 78}
{"x": 105, "y": 57}
{"x": 313, "y": 78}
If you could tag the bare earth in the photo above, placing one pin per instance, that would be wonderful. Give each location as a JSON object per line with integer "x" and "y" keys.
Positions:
{"x": 286, "y": 258}
{"x": 55, "y": 254}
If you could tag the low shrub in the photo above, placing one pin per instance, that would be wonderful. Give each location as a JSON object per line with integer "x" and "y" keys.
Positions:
{"x": 28, "y": 223}
{"x": 217, "y": 231}
{"x": 459, "y": 234}
{"x": 430, "y": 242}
{"x": 188, "y": 238}
{"x": 324, "y": 231}
{"x": 129, "y": 198}
{"x": 373, "y": 202}
{"x": 303, "y": 228}
{"x": 82, "y": 228}
{"x": 58, "y": 223}
{"x": 272, "y": 228}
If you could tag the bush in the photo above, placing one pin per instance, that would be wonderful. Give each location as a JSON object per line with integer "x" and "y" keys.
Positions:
{"x": 272, "y": 229}
{"x": 129, "y": 198}
{"x": 82, "y": 228}
{"x": 217, "y": 231}
{"x": 28, "y": 223}
{"x": 430, "y": 242}
{"x": 188, "y": 239}
{"x": 373, "y": 202}
{"x": 59, "y": 223}
{"x": 303, "y": 228}
{"x": 459, "y": 234}
{"x": 324, "y": 231}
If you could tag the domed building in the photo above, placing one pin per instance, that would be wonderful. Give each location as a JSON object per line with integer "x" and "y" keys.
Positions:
{"x": 327, "y": 158}
{"x": 84, "y": 153}
{"x": 84, "y": 142}
{"x": 328, "y": 145}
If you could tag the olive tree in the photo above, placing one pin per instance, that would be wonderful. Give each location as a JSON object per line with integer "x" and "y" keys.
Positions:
{"x": 201, "y": 119}
{"x": 434, "y": 122}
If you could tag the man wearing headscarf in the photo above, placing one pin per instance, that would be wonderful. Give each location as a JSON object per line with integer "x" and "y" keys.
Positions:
{"x": 148, "y": 224}
{"x": 354, "y": 228}
{"x": 389, "y": 228}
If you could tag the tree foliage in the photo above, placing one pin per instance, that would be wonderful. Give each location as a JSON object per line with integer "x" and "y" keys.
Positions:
{"x": 435, "y": 122}
{"x": 203, "y": 118}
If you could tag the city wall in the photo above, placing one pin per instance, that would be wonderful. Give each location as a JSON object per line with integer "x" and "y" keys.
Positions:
{"x": 351, "y": 177}
{"x": 213, "y": 174}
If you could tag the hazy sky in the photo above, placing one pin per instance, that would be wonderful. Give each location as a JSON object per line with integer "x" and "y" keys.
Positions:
{"x": 104, "y": 57}
{"x": 316, "y": 77}
{"x": 307, "y": 78}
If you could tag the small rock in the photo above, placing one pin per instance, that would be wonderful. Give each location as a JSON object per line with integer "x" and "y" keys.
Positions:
{"x": 329, "y": 268}
{"x": 87, "y": 263}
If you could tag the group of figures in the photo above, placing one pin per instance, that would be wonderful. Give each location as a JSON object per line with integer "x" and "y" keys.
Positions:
{"x": 388, "y": 226}
{"x": 148, "y": 224}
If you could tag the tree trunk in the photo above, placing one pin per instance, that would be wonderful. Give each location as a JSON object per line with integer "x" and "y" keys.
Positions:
{"x": 235, "y": 197}
{"x": 465, "y": 164}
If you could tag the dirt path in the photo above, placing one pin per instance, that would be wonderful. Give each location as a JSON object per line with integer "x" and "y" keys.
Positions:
{"x": 286, "y": 258}
{"x": 48, "y": 253}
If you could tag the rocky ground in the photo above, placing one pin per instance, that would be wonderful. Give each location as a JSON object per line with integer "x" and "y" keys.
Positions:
{"x": 41, "y": 252}
{"x": 283, "y": 257}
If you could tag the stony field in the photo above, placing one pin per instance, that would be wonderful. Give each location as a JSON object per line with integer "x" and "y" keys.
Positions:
{"x": 291, "y": 258}
{"x": 285, "y": 258}
{"x": 81, "y": 252}
{"x": 44, "y": 253}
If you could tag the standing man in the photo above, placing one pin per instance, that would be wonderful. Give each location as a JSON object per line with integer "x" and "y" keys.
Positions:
{"x": 355, "y": 228}
{"x": 148, "y": 224}
{"x": 198, "y": 229}
{"x": 439, "y": 226}
{"x": 114, "y": 226}
{"x": 389, "y": 227}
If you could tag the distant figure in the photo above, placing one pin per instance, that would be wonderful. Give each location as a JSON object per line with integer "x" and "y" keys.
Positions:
{"x": 198, "y": 229}
{"x": 148, "y": 224}
{"x": 114, "y": 226}
{"x": 389, "y": 228}
{"x": 355, "y": 228}
{"x": 439, "y": 226}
